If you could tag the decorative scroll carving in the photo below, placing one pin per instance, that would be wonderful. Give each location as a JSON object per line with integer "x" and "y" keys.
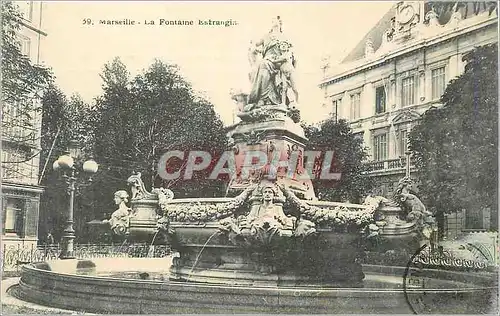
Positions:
{"x": 138, "y": 189}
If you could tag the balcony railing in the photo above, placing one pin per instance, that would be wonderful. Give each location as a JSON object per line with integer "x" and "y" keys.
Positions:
{"x": 389, "y": 164}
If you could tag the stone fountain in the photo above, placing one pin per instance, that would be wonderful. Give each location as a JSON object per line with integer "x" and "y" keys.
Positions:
{"x": 274, "y": 232}
{"x": 270, "y": 245}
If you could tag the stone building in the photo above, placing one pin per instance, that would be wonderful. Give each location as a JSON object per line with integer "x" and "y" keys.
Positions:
{"x": 399, "y": 70}
{"x": 21, "y": 145}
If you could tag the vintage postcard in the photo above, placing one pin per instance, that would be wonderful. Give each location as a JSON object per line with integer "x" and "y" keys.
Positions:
{"x": 333, "y": 157}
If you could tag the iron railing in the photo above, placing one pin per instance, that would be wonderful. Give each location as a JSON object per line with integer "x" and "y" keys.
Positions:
{"x": 15, "y": 255}
{"x": 389, "y": 164}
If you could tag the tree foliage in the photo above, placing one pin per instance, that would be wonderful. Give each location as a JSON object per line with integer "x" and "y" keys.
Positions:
{"x": 445, "y": 9}
{"x": 456, "y": 146}
{"x": 349, "y": 155}
{"x": 139, "y": 119}
{"x": 64, "y": 119}
{"x": 23, "y": 82}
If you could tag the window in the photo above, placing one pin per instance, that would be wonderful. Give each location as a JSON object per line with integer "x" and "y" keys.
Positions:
{"x": 18, "y": 126}
{"x": 403, "y": 143}
{"x": 438, "y": 82}
{"x": 25, "y": 45}
{"x": 336, "y": 104}
{"x": 12, "y": 169}
{"x": 355, "y": 105}
{"x": 14, "y": 216}
{"x": 380, "y": 100}
{"x": 408, "y": 92}
{"x": 380, "y": 147}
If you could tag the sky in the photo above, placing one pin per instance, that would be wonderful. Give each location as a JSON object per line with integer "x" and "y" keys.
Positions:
{"x": 212, "y": 58}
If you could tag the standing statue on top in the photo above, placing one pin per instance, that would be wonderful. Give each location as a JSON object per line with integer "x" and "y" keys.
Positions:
{"x": 273, "y": 65}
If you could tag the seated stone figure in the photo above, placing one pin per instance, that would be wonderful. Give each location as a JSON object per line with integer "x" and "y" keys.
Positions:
{"x": 120, "y": 219}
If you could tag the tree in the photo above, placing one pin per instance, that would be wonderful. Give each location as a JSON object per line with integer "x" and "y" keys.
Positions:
{"x": 23, "y": 84}
{"x": 63, "y": 120}
{"x": 139, "y": 119}
{"x": 456, "y": 146}
{"x": 445, "y": 9}
{"x": 349, "y": 155}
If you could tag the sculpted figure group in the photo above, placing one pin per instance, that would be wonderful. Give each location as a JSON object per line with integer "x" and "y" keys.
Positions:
{"x": 272, "y": 77}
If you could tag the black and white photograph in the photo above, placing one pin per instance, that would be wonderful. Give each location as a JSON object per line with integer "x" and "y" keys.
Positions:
{"x": 249, "y": 157}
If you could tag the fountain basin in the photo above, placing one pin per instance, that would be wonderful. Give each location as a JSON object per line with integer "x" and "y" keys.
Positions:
{"x": 145, "y": 214}
{"x": 100, "y": 289}
{"x": 207, "y": 256}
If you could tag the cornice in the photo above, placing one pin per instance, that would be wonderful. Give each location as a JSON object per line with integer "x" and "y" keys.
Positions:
{"x": 407, "y": 49}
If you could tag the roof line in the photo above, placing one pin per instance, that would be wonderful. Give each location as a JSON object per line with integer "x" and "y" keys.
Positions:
{"x": 407, "y": 49}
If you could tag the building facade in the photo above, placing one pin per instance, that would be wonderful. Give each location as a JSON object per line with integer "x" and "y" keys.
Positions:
{"x": 21, "y": 146}
{"x": 399, "y": 70}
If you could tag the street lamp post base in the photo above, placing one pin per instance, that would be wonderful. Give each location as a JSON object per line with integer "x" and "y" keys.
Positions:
{"x": 67, "y": 250}
{"x": 67, "y": 256}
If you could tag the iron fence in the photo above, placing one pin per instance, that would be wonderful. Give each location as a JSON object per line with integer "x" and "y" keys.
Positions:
{"x": 15, "y": 255}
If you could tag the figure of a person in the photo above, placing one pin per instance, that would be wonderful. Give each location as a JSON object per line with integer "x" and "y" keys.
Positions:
{"x": 120, "y": 219}
{"x": 456, "y": 16}
{"x": 287, "y": 71}
{"x": 276, "y": 60}
{"x": 269, "y": 212}
{"x": 300, "y": 159}
{"x": 50, "y": 239}
{"x": 432, "y": 18}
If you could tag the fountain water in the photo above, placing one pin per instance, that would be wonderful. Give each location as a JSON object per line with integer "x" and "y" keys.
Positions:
{"x": 272, "y": 248}
{"x": 199, "y": 254}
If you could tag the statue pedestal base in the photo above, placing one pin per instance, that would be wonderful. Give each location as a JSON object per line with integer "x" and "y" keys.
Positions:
{"x": 279, "y": 140}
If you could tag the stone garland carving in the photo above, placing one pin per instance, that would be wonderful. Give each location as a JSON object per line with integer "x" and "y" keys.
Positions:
{"x": 339, "y": 218}
{"x": 164, "y": 197}
{"x": 294, "y": 114}
{"x": 198, "y": 212}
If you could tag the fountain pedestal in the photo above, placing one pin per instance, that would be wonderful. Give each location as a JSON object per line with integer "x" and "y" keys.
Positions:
{"x": 279, "y": 140}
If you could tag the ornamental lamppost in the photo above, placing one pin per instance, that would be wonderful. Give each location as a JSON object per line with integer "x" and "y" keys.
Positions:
{"x": 70, "y": 170}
